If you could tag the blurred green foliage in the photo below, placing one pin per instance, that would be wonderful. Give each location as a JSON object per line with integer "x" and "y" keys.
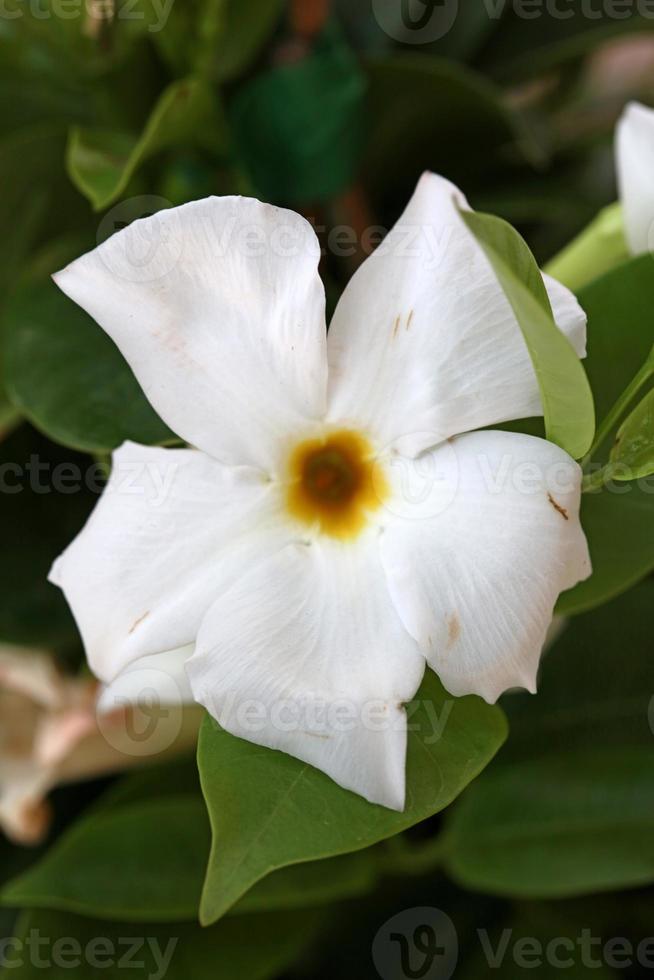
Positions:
{"x": 112, "y": 110}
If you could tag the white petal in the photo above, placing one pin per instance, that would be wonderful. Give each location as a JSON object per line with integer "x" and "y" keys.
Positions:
{"x": 634, "y": 147}
{"x": 171, "y": 529}
{"x": 476, "y": 564}
{"x": 219, "y": 310}
{"x": 306, "y": 654}
{"x": 568, "y": 314}
{"x": 423, "y": 344}
{"x": 160, "y": 677}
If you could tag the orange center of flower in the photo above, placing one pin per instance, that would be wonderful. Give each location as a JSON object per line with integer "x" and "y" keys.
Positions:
{"x": 334, "y": 482}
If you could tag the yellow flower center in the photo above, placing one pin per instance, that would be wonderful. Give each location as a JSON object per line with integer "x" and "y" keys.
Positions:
{"x": 334, "y": 482}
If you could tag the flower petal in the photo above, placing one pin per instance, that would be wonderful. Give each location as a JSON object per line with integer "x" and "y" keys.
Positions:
{"x": 33, "y": 674}
{"x": 219, "y": 310}
{"x": 25, "y": 814}
{"x": 476, "y": 564}
{"x": 171, "y": 529}
{"x": 306, "y": 654}
{"x": 634, "y": 146}
{"x": 423, "y": 344}
{"x": 161, "y": 676}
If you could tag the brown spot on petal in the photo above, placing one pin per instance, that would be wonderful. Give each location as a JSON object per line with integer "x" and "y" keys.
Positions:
{"x": 137, "y": 622}
{"x": 453, "y": 629}
{"x": 409, "y": 319}
{"x": 396, "y": 325}
{"x": 558, "y": 508}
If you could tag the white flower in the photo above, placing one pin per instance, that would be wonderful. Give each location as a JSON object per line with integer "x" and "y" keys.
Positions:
{"x": 333, "y": 530}
{"x": 50, "y": 734}
{"x": 634, "y": 150}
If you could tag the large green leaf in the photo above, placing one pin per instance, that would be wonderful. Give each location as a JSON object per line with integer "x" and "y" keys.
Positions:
{"x": 620, "y": 531}
{"x": 433, "y": 114}
{"x": 594, "y": 685}
{"x": 568, "y": 807}
{"x": 558, "y": 826}
{"x": 101, "y": 163}
{"x": 619, "y": 520}
{"x": 565, "y": 392}
{"x": 68, "y": 378}
{"x": 632, "y": 454}
{"x": 269, "y": 810}
{"x": 315, "y": 883}
{"x": 142, "y": 862}
{"x": 161, "y": 847}
{"x": 256, "y": 947}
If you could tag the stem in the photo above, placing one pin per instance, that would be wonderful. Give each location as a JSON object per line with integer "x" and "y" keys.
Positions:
{"x": 596, "y": 250}
{"x": 595, "y": 481}
{"x": 630, "y": 392}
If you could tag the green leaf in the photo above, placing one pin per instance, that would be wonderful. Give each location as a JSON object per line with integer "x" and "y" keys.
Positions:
{"x": 143, "y": 862}
{"x": 256, "y": 947}
{"x": 558, "y": 826}
{"x": 565, "y": 392}
{"x": 314, "y": 883}
{"x": 433, "y": 114}
{"x": 218, "y": 39}
{"x": 246, "y": 28}
{"x": 620, "y": 532}
{"x": 632, "y": 454}
{"x": 619, "y": 520}
{"x": 594, "y": 689}
{"x": 101, "y": 163}
{"x": 299, "y": 126}
{"x": 68, "y": 378}
{"x": 568, "y": 807}
{"x": 162, "y": 872}
{"x": 595, "y": 251}
{"x": 269, "y": 810}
